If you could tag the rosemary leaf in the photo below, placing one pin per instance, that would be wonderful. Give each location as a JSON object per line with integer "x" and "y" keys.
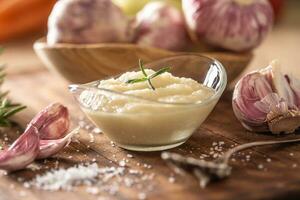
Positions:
{"x": 141, "y": 65}
{"x": 7, "y": 108}
{"x": 146, "y": 76}
{"x": 136, "y": 80}
{"x": 159, "y": 72}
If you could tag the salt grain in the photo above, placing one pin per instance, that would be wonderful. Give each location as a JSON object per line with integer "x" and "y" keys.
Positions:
{"x": 142, "y": 196}
{"x": 92, "y": 190}
{"x": 96, "y": 130}
{"x": 269, "y": 160}
{"x": 122, "y": 163}
{"x": 260, "y": 166}
{"x": 129, "y": 156}
{"x": 171, "y": 179}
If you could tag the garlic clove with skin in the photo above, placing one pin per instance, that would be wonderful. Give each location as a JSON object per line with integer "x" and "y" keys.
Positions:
{"x": 52, "y": 122}
{"x": 267, "y": 100}
{"x": 22, "y": 152}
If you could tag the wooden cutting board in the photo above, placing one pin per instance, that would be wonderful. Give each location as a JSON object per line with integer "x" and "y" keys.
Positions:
{"x": 278, "y": 179}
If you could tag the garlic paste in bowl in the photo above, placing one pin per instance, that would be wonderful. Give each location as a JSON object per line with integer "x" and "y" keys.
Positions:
{"x": 137, "y": 117}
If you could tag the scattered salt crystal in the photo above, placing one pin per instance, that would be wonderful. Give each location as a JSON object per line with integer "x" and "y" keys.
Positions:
{"x": 171, "y": 179}
{"x": 291, "y": 154}
{"x": 26, "y": 185}
{"x": 92, "y": 139}
{"x": 142, "y": 196}
{"x": 260, "y": 166}
{"x": 294, "y": 165}
{"x": 214, "y": 143}
{"x": 133, "y": 171}
{"x": 70, "y": 157}
{"x": 129, "y": 156}
{"x": 268, "y": 159}
{"x": 122, "y": 163}
{"x": 94, "y": 160}
{"x": 221, "y": 142}
{"x": 92, "y": 190}
{"x": 112, "y": 144}
{"x": 96, "y": 130}
{"x": 128, "y": 182}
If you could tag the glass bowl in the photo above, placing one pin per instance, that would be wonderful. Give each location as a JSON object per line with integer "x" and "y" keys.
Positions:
{"x": 159, "y": 125}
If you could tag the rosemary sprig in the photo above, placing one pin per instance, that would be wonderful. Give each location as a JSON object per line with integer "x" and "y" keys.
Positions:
{"x": 7, "y": 108}
{"x": 146, "y": 76}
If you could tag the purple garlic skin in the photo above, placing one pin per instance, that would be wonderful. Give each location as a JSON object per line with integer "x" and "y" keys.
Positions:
{"x": 267, "y": 100}
{"x": 22, "y": 152}
{"x": 52, "y": 122}
{"x": 44, "y": 136}
{"x": 87, "y": 21}
{"x": 160, "y": 25}
{"x": 236, "y": 25}
{"x": 51, "y": 147}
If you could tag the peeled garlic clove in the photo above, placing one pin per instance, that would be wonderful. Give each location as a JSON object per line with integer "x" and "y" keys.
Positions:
{"x": 22, "y": 152}
{"x": 52, "y": 122}
{"x": 267, "y": 100}
{"x": 51, "y": 147}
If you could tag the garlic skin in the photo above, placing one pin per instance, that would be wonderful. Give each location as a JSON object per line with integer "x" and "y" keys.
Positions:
{"x": 22, "y": 152}
{"x": 237, "y": 25}
{"x": 267, "y": 100}
{"x": 160, "y": 25}
{"x": 51, "y": 147}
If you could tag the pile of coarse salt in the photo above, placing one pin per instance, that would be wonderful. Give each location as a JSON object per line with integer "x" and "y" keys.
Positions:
{"x": 65, "y": 179}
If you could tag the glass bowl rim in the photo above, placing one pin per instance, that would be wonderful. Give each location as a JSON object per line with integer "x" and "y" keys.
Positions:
{"x": 217, "y": 94}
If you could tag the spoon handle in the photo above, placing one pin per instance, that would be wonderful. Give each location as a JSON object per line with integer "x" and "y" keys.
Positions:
{"x": 229, "y": 153}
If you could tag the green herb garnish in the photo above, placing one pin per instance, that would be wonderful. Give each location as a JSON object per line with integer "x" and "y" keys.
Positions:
{"x": 7, "y": 108}
{"x": 146, "y": 76}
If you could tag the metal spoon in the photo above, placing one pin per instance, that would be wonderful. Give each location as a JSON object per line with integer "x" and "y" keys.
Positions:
{"x": 207, "y": 171}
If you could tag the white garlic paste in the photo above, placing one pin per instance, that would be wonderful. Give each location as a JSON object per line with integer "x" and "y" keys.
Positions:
{"x": 168, "y": 115}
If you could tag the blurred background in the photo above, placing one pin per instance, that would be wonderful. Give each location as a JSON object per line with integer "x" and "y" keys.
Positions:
{"x": 22, "y": 22}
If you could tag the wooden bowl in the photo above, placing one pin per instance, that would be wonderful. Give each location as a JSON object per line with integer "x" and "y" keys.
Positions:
{"x": 87, "y": 62}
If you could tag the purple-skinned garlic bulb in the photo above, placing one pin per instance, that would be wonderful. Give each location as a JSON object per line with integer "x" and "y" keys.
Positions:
{"x": 268, "y": 100}
{"x": 237, "y": 25}
{"x": 87, "y": 21}
{"x": 160, "y": 25}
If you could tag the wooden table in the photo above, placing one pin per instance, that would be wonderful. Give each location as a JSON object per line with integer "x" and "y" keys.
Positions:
{"x": 271, "y": 173}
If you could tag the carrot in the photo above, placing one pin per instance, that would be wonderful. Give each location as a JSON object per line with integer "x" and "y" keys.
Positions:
{"x": 18, "y": 19}
{"x": 26, "y": 20}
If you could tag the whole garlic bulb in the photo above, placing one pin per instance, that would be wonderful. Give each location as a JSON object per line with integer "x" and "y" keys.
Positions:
{"x": 237, "y": 25}
{"x": 268, "y": 100}
{"x": 160, "y": 25}
{"x": 87, "y": 21}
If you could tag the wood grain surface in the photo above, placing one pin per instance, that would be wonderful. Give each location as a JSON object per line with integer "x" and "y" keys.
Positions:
{"x": 33, "y": 86}
{"x": 278, "y": 178}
